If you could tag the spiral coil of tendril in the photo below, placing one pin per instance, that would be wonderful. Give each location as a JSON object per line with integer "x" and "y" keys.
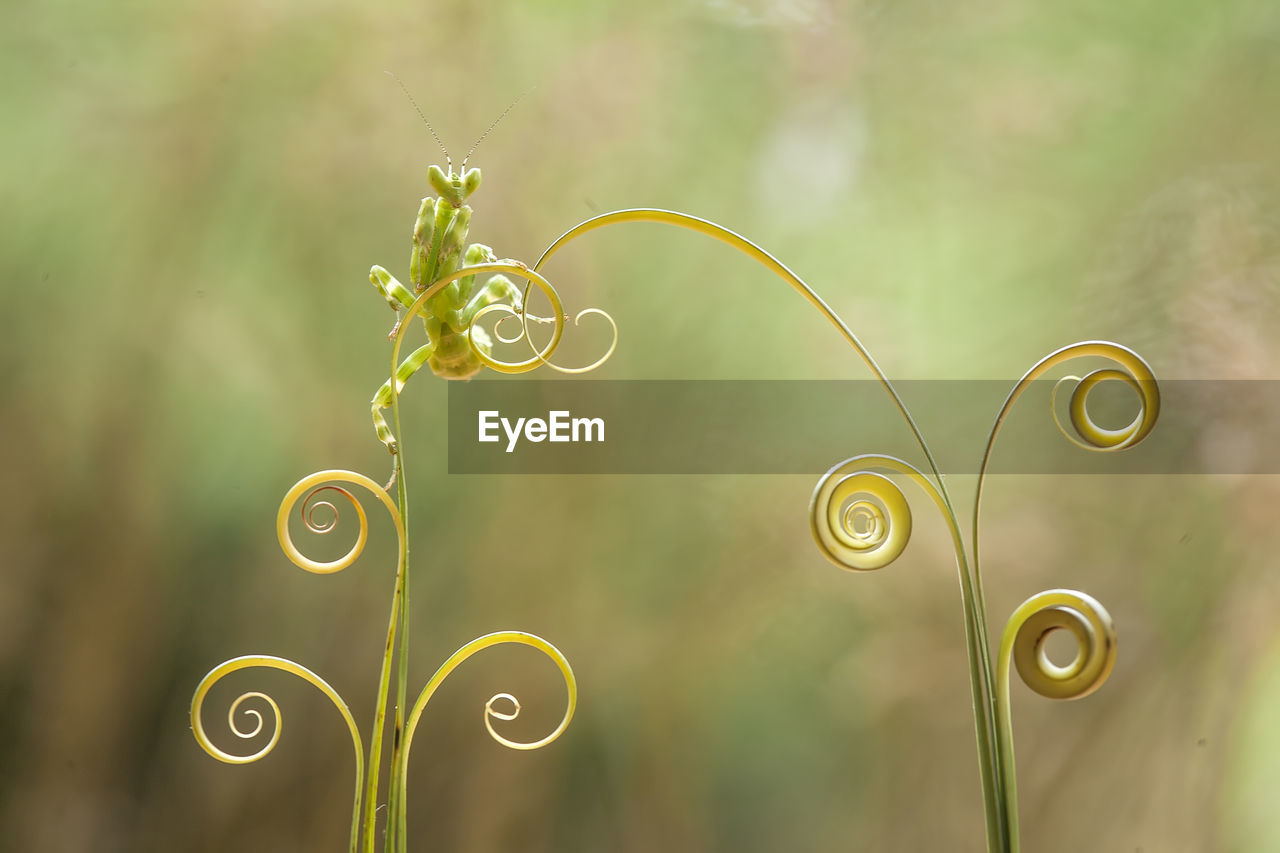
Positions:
{"x": 540, "y": 357}
{"x": 491, "y": 712}
{"x": 1088, "y": 434}
{"x": 860, "y": 519}
{"x": 269, "y": 662}
{"x": 314, "y": 485}
{"x": 1131, "y": 370}
{"x": 1134, "y": 373}
{"x": 1080, "y": 615}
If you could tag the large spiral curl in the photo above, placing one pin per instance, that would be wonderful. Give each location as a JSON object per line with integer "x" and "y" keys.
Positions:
{"x": 270, "y": 662}
{"x": 321, "y": 516}
{"x": 491, "y": 711}
{"x": 860, "y": 519}
{"x": 277, "y": 719}
{"x": 1133, "y": 371}
{"x": 1080, "y": 615}
{"x": 1130, "y": 369}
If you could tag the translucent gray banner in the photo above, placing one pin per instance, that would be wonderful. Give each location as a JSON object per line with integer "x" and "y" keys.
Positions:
{"x": 525, "y": 426}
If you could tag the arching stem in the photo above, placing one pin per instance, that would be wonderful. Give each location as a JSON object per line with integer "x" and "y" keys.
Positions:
{"x": 976, "y": 638}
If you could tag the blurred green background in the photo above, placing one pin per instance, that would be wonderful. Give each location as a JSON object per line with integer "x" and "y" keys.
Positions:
{"x": 194, "y": 195}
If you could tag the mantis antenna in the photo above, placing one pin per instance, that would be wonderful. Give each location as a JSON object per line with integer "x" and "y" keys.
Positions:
{"x": 434, "y": 135}
{"x": 509, "y": 108}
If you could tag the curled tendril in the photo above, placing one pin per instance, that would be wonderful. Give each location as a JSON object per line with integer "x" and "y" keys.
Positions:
{"x": 314, "y": 485}
{"x": 257, "y": 715}
{"x": 308, "y": 509}
{"x": 509, "y": 313}
{"x": 1131, "y": 369}
{"x": 491, "y": 712}
{"x": 1061, "y": 610}
{"x": 861, "y": 520}
{"x": 1023, "y": 645}
{"x": 1088, "y": 434}
{"x": 277, "y": 722}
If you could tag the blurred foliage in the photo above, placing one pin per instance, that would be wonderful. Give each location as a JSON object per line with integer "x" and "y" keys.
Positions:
{"x": 195, "y": 193}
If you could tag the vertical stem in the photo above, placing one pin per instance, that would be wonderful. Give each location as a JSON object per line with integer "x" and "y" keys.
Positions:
{"x": 384, "y": 677}
{"x": 396, "y": 832}
{"x": 1004, "y": 724}
{"x": 990, "y": 765}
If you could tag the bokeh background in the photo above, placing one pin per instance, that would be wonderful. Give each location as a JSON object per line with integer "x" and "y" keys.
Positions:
{"x": 194, "y": 193}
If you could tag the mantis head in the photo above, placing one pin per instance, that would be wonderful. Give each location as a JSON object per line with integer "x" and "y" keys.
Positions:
{"x": 454, "y": 189}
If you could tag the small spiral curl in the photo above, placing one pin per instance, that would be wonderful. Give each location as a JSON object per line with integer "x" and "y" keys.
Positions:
{"x": 304, "y": 495}
{"x": 492, "y": 713}
{"x": 522, "y": 315}
{"x": 277, "y": 719}
{"x": 1130, "y": 369}
{"x": 1085, "y": 619}
{"x": 308, "y": 509}
{"x": 256, "y": 714}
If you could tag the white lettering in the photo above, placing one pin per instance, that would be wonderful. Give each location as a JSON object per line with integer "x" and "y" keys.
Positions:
{"x": 587, "y": 424}
{"x": 559, "y": 426}
{"x": 487, "y": 422}
{"x": 513, "y": 435}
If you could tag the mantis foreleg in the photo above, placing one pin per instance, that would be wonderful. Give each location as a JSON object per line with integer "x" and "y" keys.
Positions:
{"x": 407, "y": 368}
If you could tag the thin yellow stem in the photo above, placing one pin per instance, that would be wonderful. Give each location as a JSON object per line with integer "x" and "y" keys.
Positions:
{"x": 380, "y": 707}
{"x": 396, "y": 824}
{"x": 976, "y": 638}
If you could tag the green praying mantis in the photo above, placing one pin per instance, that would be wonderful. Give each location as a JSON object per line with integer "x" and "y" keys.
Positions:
{"x": 452, "y": 340}
{"x": 439, "y": 234}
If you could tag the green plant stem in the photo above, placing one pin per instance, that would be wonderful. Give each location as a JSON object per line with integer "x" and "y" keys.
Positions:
{"x": 976, "y": 638}
{"x": 1004, "y": 722}
{"x": 396, "y": 822}
{"x": 384, "y": 677}
{"x": 396, "y": 811}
